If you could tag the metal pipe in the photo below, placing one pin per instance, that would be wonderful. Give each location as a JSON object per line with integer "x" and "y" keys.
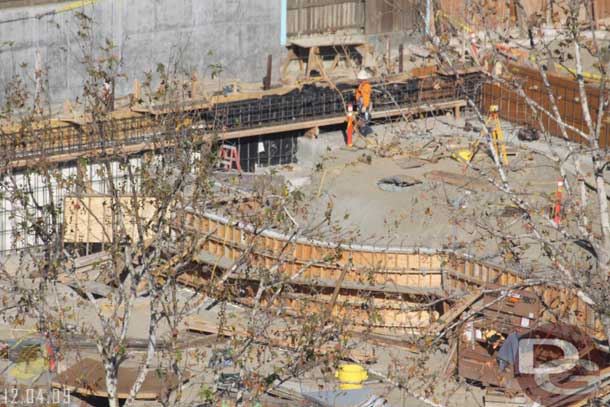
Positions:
{"x": 428, "y": 13}
{"x": 401, "y": 52}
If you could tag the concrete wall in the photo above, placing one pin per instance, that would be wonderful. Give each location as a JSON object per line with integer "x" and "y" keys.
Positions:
{"x": 239, "y": 33}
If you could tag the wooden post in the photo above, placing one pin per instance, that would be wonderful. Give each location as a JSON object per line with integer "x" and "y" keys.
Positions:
{"x": 388, "y": 50}
{"x": 267, "y": 80}
{"x": 136, "y": 90}
{"x": 194, "y": 85}
{"x": 112, "y": 89}
{"x": 67, "y": 108}
{"x": 401, "y": 51}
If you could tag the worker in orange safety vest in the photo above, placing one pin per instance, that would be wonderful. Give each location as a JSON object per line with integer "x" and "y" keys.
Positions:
{"x": 363, "y": 101}
{"x": 363, "y": 95}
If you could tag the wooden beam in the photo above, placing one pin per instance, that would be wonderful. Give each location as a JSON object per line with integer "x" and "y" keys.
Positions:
{"x": 428, "y": 107}
{"x": 447, "y": 318}
{"x": 460, "y": 181}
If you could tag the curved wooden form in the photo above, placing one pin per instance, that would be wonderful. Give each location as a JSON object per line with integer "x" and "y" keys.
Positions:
{"x": 396, "y": 282}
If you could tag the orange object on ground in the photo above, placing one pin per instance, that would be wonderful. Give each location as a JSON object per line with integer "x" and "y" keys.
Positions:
{"x": 557, "y": 211}
{"x": 50, "y": 353}
{"x": 350, "y": 124}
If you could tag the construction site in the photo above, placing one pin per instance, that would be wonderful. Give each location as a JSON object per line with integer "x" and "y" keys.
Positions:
{"x": 304, "y": 203}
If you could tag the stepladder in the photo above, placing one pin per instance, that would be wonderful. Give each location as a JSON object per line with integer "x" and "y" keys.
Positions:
{"x": 229, "y": 157}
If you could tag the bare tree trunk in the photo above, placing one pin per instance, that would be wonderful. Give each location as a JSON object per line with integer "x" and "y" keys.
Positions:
{"x": 112, "y": 382}
{"x": 598, "y": 164}
{"x": 150, "y": 353}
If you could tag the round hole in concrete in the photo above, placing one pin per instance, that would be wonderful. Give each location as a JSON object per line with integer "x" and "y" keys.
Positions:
{"x": 395, "y": 183}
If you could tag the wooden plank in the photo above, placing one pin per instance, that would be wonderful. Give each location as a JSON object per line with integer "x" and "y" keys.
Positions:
{"x": 460, "y": 180}
{"x": 447, "y": 318}
{"x": 497, "y": 398}
{"x": 424, "y": 108}
{"x": 26, "y": 3}
{"x": 329, "y": 41}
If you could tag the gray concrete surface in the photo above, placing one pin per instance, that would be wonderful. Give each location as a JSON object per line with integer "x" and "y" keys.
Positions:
{"x": 239, "y": 34}
{"x": 430, "y": 214}
{"x": 310, "y": 151}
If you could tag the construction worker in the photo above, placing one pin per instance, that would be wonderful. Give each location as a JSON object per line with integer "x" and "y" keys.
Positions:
{"x": 363, "y": 102}
{"x": 363, "y": 96}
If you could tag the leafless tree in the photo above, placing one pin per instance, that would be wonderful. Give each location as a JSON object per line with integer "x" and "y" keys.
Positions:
{"x": 572, "y": 253}
{"x": 140, "y": 211}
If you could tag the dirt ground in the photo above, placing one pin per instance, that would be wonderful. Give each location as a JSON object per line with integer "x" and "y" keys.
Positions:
{"x": 430, "y": 213}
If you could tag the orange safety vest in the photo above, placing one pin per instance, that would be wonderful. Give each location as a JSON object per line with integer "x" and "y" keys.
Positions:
{"x": 363, "y": 94}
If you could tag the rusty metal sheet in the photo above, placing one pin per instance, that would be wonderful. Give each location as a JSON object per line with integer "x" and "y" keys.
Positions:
{"x": 519, "y": 303}
{"x": 514, "y": 108}
{"x": 475, "y": 363}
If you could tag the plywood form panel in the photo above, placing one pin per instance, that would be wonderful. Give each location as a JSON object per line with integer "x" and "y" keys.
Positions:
{"x": 385, "y": 16}
{"x": 322, "y": 16}
{"x": 602, "y": 9}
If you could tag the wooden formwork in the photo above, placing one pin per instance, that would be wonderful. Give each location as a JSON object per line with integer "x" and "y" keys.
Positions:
{"x": 489, "y": 15}
{"x": 392, "y": 267}
{"x": 318, "y": 260}
{"x": 382, "y": 312}
{"x": 381, "y": 287}
{"x": 565, "y": 90}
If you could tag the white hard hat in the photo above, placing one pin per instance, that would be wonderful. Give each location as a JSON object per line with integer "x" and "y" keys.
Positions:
{"x": 363, "y": 75}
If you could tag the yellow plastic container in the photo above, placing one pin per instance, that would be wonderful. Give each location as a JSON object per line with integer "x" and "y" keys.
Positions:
{"x": 462, "y": 155}
{"x": 351, "y": 376}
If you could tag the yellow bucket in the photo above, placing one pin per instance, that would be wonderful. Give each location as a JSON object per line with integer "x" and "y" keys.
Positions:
{"x": 462, "y": 155}
{"x": 351, "y": 376}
